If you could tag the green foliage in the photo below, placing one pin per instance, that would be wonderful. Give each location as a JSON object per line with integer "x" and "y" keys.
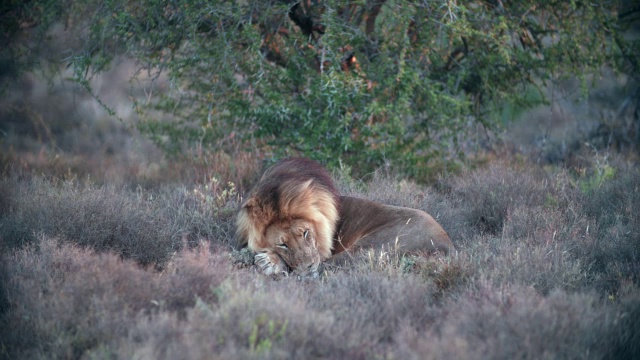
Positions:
{"x": 361, "y": 83}
{"x": 599, "y": 177}
{"x": 273, "y": 331}
{"x": 215, "y": 197}
{"x": 601, "y": 172}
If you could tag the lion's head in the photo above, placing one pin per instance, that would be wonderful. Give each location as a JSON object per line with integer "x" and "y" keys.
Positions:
{"x": 290, "y": 217}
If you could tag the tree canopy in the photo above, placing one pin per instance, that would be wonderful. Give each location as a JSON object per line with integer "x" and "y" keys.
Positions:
{"x": 353, "y": 82}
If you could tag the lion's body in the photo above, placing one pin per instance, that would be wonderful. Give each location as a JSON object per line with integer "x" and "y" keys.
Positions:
{"x": 366, "y": 224}
{"x": 294, "y": 219}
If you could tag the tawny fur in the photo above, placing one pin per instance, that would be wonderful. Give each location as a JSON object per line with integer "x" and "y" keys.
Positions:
{"x": 366, "y": 224}
{"x": 292, "y": 189}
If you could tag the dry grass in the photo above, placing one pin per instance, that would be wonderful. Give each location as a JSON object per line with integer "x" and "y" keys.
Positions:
{"x": 62, "y": 300}
{"x": 144, "y": 226}
{"x": 546, "y": 268}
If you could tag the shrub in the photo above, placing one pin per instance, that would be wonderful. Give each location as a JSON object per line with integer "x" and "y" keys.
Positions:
{"x": 63, "y": 300}
{"x": 531, "y": 289}
{"x": 488, "y": 194}
{"x": 104, "y": 218}
{"x": 612, "y": 249}
{"x": 625, "y": 334}
{"x": 378, "y": 81}
{"x": 147, "y": 226}
{"x": 509, "y": 322}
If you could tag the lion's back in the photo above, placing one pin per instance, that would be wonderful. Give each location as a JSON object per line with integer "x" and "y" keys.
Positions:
{"x": 291, "y": 172}
{"x": 368, "y": 224}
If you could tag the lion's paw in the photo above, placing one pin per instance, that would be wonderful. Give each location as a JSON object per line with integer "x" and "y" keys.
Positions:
{"x": 269, "y": 263}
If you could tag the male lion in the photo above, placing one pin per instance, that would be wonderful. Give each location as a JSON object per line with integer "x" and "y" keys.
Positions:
{"x": 291, "y": 221}
{"x": 290, "y": 217}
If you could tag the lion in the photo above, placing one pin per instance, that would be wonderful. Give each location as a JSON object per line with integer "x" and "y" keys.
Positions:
{"x": 295, "y": 220}
{"x": 290, "y": 217}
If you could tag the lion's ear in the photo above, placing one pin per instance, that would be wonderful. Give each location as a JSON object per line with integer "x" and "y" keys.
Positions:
{"x": 250, "y": 207}
{"x": 253, "y": 210}
{"x": 249, "y": 203}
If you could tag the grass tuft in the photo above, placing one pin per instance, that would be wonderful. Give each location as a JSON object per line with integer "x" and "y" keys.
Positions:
{"x": 543, "y": 268}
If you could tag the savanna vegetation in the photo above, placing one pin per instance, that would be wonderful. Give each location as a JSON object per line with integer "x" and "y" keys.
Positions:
{"x": 129, "y": 132}
{"x": 408, "y": 83}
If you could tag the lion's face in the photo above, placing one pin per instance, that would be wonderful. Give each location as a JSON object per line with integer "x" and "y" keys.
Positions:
{"x": 290, "y": 217}
{"x": 293, "y": 242}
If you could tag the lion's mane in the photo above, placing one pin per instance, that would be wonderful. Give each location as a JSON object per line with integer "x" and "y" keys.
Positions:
{"x": 295, "y": 188}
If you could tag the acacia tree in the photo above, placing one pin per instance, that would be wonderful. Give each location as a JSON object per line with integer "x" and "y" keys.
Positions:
{"x": 358, "y": 82}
